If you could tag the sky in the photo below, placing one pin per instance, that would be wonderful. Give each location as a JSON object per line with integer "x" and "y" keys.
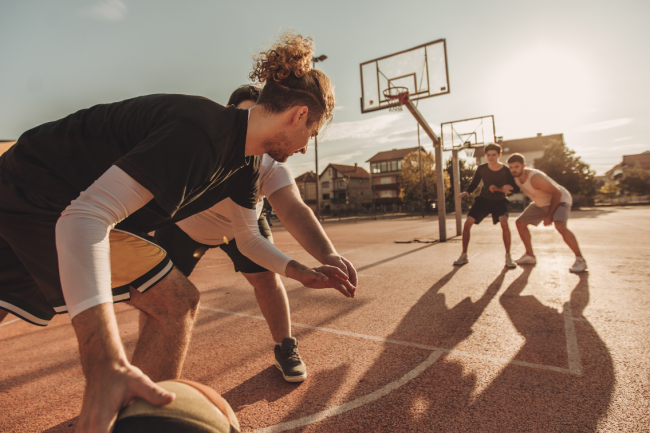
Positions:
{"x": 579, "y": 68}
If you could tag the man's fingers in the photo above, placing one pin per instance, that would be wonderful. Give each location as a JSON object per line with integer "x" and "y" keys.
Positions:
{"x": 352, "y": 273}
{"x": 154, "y": 394}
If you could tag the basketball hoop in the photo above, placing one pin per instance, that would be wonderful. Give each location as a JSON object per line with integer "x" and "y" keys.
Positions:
{"x": 397, "y": 96}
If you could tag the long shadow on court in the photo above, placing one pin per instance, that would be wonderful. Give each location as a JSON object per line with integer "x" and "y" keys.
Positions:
{"x": 554, "y": 402}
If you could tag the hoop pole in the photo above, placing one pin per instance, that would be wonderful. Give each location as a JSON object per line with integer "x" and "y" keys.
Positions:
{"x": 440, "y": 179}
{"x": 457, "y": 204}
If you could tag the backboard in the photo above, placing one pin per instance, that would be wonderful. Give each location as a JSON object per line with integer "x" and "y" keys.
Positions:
{"x": 421, "y": 69}
{"x": 467, "y": 133}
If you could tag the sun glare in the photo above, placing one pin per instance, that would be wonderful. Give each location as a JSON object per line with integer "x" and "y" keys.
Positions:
{"x": 548, "y": 87}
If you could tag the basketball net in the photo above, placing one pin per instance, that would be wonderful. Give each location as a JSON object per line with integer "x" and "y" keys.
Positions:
{"x": 397, "y": 96}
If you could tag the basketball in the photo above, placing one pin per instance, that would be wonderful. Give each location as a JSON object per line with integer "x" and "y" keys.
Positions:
{"x": 197, "y": 408}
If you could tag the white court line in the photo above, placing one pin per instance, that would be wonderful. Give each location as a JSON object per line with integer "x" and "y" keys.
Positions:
{"x": 345, "y": 407}
{"x": 571, "y": 370}
{"x": 571, "y": 341}
{"x": 9, "y": 322}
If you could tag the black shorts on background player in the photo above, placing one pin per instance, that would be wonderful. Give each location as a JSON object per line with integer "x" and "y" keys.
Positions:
{"x": 483, "y": 207}
{"x": 185, "y": 252}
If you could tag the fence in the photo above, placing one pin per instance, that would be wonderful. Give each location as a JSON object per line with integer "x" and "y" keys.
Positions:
{"x": 623, "y": 200}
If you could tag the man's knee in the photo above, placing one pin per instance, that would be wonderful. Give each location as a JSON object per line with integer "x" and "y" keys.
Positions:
{"x": 469, "y": 222}
{"x": 503, "y": 220}
{"x": 263, "y": 281}
{"x": 561, "y": 227}
{"x": 521, "y": 224}
{"x": 173, "y": 296}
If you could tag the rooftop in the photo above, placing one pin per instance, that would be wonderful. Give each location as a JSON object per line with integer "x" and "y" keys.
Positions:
{"x": 390, "y": 155}
{"x": 523, "y": 145}
{"x": 310, "y": 176}
{"x": 350, "y": 170}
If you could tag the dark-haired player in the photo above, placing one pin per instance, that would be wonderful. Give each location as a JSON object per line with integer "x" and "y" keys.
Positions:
{"x": 497, "y": 183}
{"x": 551, "y": 203}
{"x": 187, "y": 241}
{"x": 79, "y": 195}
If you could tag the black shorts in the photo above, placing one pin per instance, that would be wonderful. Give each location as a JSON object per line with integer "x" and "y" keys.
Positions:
{"x": 30, "y": 286}
{"x": 483, "y": 207}
{"x": 185, "y": 252}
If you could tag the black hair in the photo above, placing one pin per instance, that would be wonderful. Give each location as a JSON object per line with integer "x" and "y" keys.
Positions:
{"x": 243, "y": 93}
{"x": 516, "y": 157}
{"x": 493, "y": 146}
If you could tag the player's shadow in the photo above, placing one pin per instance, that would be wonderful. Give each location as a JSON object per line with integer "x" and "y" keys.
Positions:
{"x": 553, "y": 401}
{"x": 65, "y": 427}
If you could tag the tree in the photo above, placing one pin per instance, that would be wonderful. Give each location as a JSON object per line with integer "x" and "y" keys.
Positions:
{"x": 560, "y": 164}
{"x": 466, "y": 170}
{"x": 635, "y": 181}
{"x": 410, "y": 178}
{"x": 609, "y": 189}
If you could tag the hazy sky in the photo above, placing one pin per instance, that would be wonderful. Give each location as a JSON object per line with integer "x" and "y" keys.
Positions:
{"x": 575, "y": 67}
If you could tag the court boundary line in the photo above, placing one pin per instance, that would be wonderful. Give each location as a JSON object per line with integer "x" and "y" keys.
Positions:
{"x": 572, "y": 347}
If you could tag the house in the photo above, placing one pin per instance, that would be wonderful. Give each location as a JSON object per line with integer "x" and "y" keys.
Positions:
{"x": 306, "y": 184}
{"x": 5, "y": 145}
{"x": 531, "y": 148}
{"x": 640, "y": 160}
{"x": 385, "y": 175}
{"x": 344, "y": 186}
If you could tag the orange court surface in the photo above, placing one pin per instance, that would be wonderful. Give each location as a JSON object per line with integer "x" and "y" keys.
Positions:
{"x": 425, "y": 346}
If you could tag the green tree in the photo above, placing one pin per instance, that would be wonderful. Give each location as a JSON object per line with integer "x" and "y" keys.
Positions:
{"x": 410, "y": 179}
{"x": 560, "y": 164}
{"x": 609, "y": 189}
{"x": 466, "y": 170}
{"x": 635, "y": 181}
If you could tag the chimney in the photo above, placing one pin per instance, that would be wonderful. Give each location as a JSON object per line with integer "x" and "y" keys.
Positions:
{"x": 539, "y": 134}
{"x": 355, "y": 166}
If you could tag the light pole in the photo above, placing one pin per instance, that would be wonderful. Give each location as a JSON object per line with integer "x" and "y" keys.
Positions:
{"x": 315, "y": 60}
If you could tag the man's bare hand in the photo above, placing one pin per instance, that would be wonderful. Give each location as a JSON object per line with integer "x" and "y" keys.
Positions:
{"x": 323, "y": 277}
{"x": 548, "y": 220}
{"x": 507, "y": 189}
{"x": 111, "y": 381}
{"x": 463, "y": 194}
{"x": 109, "y": 389}
{"x": 494, "y": 188}
{"x": 343, "y": 264}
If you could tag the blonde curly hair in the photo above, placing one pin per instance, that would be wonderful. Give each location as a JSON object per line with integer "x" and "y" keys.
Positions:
{"x": 286, "y": 71}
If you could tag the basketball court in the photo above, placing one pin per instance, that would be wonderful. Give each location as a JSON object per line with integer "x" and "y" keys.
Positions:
{"x": 425, "y": 346}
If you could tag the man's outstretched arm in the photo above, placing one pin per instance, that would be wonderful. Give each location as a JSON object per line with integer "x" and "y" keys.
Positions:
{"x": 300, "y": 222}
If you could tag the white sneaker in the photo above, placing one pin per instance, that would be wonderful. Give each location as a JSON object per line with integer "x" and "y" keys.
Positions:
{"x": 509, "y": 262}
{"x": 462, "y": 260}
{"x": 579, "y": 266}
{"x": 526, "y": 260}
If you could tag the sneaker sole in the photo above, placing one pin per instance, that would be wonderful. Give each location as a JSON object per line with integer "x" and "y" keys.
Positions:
{"x": 300, "y": 378}
{"x": 461, "y": 263}
{"x": 512, "y": 266}
{"x": 577, "y": 272}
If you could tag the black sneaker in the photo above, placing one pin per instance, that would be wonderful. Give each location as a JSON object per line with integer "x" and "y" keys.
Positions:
{"x": 288, "y": 361}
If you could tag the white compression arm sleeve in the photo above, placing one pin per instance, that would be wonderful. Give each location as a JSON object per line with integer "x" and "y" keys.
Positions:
{"x": 82, "y": 237}
{"x": 252, "y": 244}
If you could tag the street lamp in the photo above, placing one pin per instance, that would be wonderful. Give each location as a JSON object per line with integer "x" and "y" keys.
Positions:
{"x": 315, "y": 60}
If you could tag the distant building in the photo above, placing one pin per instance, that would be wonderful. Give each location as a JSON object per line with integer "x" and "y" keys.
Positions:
{"x": 344, "y": 186}
{"x": 306, "y": 184}
{"x": 640, "y": 160}
{"x": 5, "y": 145}
{"x": 532, "y": 148}
{"x": 385, "y": 175}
